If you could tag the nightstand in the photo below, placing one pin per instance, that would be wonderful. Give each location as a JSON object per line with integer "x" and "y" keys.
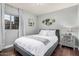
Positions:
{"x": 67, "y": 40}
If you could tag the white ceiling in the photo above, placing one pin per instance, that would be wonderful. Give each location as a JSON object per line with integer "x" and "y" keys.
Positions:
{"x": 42, "y": 8}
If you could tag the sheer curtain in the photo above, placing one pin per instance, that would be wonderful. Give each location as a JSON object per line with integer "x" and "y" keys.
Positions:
{"x": 12, "y": 11}
{"x": 21, "y": 23}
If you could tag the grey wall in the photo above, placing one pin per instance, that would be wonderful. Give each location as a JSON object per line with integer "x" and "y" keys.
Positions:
{"x": 64, "y": 18}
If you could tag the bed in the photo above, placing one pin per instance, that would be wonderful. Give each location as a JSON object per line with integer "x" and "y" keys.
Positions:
{"x": 38, "y": 45}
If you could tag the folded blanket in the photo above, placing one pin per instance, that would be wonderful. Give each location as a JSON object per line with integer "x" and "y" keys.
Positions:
{"x": 43, "y": 40}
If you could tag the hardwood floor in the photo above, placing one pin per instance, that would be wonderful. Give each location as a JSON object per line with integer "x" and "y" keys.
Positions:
{"x": 64, "y": 51}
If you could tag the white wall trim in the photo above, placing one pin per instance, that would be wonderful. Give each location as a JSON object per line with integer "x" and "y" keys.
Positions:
{"x": 8, "y": 46}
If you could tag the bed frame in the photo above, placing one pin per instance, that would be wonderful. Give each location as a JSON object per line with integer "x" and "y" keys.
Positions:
{"x": 48, "y": 53}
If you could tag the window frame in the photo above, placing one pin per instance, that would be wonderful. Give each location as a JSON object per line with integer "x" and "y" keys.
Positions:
{"x": 11, "y": 23}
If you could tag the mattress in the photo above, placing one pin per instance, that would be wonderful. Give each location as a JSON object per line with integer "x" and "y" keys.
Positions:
{"x": 53, "y": 43}
{"x": 27, "y": 53}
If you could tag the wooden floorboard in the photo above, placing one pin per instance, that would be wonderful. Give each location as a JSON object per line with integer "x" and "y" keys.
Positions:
{"x": 63, "y": 51}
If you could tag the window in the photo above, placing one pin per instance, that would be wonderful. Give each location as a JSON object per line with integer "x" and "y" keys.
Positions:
{"x": 7, "y": 21}
{"x": 11, "y": 22}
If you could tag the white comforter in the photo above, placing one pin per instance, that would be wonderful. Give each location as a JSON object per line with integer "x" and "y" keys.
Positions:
{"x": 36, "y": 47}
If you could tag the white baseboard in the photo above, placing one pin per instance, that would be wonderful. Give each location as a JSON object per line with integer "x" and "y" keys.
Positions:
{"x": 8, "y": 46}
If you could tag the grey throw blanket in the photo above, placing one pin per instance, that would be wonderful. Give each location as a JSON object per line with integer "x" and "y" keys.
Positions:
{"x": 43, "y": 40}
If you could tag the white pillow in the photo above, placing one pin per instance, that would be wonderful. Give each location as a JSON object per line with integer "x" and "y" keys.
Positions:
{"x": 51, "y": 33}
{"x": 43, "y": 32}
{"x": 47, "y": 32}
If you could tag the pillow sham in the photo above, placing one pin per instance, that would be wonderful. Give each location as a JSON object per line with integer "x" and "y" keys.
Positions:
{"x": 47, "y": 32}
{"x": 51, "y": 33}
{"x": 43, "y": 32}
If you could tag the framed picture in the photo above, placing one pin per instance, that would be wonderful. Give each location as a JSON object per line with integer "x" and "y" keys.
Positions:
{"x": 30, "y": 22}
